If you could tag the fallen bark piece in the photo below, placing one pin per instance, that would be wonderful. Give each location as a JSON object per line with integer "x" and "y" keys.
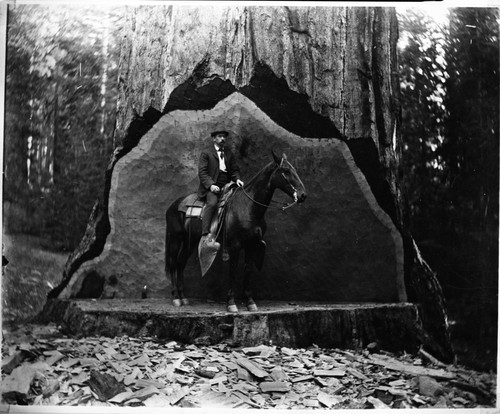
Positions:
{"x": 471, "y": 388}
{"x": 145, "y": 393}
{"x": 17, "y": 385}
{"x": 51, "y": 387}
{"x": 195, "y": 355}
{"x": 442, "y": 402}
{"x": 203, "y": 341}
{"x": 393, "y": 391}
{"x": 243, "y": 400}
{"x": 54, "y": 356}
{"x": 104, "y": 385}
{"x": 288, "y": 352}
{"x": 252, "y": 367}
{"x": 88, "y": 362}
{"x": 460, "y": 400}
{"x": 205, "y": 373}
{"x": 157, "y": 400}
{"x": 118, "y": 367}
{"x": 321, "y": 382}
{"x": 141, "y": 361}
{"x": 394, "y": 365}
{"x": 134, "y": 401}
{"x": 329, "y": 372}
{"x": 79, "y": 379}
{"x": 243, "y": 374}
{"x": 121, "y": 397}
{"x": 69, "y": 363}
{"x": 259, "y": 399}
{"x": 260, "y": 350}
{"x": 431, "y": 358}
{"x": 13, "y": 361}
{"x": 214, "y": 399}
{"x": 332, "y": 383}
{"x": 429, "y": 386}
{"x": 218, "y": 380}
{"x": 398, "y": 383}
{"x": 274, "y": 386}
{"x": 178, "y": 395}
{"x": 277, "y": 374}
{"x": 143, "y": 383}
{"x": 327, "y": 400}
{"x": 357, "y": 374}
{"x": 229, "y": 365}
{"x": 418, "y": 400}
{"x": 311, "y": 403}
{"x": 295, "y": 364}
{"x": 377, "y": 403}
{"x": 129, "y": 379}
{"x": 302, "y": 378}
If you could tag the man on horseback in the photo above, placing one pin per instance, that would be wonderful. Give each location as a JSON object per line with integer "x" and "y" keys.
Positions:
{"x": 217, "y": 166}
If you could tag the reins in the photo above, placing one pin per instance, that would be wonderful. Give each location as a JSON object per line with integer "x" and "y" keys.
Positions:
{"x": 285, "y": 206}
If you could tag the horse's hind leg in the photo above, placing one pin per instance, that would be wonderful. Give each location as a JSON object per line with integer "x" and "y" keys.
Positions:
{"x": 171, "y": 267}
{"x": 181, "y": 264}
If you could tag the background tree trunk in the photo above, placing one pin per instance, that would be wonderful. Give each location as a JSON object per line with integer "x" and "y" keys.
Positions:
{"x": 341, "y": 61}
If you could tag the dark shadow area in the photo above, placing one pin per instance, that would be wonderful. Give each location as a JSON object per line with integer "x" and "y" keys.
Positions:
{"x": 287, "y": 108}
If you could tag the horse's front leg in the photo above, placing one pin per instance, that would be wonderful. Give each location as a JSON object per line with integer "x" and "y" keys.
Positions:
{"x": 247, "y": 273}
{"x": 233, "y": 268}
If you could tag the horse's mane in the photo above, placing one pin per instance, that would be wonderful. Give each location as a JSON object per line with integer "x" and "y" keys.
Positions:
{"x": 261, "y": 172}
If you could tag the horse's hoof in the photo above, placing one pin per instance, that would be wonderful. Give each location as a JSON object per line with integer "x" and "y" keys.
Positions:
{"x": 232, "y": 308}
{"x": 252, "y": 307}
{"x": 185, "y": 302}
{"x": 177, "y": 303}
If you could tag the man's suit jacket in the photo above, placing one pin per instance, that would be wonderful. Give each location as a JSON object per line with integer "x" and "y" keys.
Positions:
{"x": 208, "y": 168}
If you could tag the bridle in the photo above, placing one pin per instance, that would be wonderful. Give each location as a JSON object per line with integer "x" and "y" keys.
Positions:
{"x": 285, "y": 206}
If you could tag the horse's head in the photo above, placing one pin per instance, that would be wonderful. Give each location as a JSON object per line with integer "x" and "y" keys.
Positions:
{"x": 287, "y": 180}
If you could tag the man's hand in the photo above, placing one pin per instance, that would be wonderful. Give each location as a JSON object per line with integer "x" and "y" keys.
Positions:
{"x": 239, "y": 183}
{"x": 214, "y": 189}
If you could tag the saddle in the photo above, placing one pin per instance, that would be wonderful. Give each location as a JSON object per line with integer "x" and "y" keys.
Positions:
{"x": 192, "y": 206}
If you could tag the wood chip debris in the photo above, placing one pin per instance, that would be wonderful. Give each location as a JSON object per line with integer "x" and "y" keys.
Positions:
{"x": 145, "y": 371}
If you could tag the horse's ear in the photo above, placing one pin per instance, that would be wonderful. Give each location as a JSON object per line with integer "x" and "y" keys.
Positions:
{"x": 277, "y": 160}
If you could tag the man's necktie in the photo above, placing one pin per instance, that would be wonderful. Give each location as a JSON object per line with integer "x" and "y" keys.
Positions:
{"x": 221, "y": 150}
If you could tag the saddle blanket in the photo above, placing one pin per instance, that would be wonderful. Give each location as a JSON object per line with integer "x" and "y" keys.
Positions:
{"x": 192, "y": 206}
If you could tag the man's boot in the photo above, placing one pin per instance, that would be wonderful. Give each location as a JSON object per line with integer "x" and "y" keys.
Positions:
{"x": 210, "y": 241}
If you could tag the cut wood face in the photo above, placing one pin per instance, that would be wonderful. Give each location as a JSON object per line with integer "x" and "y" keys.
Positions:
{"x": 338, "y": 245}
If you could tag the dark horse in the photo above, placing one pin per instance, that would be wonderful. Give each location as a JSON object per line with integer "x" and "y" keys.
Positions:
{"x": 244, "y": 228}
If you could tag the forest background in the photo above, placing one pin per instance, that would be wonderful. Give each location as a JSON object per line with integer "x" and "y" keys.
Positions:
{"x": 62, "y": 77}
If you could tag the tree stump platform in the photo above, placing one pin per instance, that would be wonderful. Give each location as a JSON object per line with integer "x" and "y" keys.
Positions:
{"x": 393, "y": 326}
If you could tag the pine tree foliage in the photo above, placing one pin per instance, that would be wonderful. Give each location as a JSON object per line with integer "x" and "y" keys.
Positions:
{"x": 450, "y": 131}
{"x": 60, "y": 113}
{"x": 450, "y": 107}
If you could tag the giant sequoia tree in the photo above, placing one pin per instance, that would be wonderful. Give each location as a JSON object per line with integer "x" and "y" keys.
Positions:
{"x": 320, "y": 83}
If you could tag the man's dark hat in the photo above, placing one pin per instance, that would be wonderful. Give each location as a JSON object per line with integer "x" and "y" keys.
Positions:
{"x": 213, "y": 134}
